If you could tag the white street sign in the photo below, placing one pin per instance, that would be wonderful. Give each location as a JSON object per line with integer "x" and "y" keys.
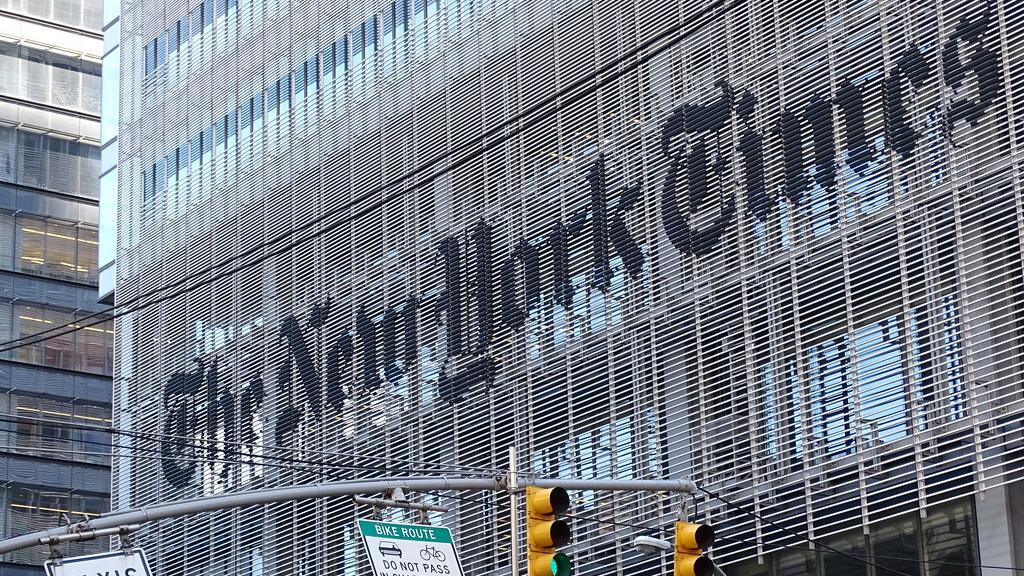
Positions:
{"x": 409, "y": 549}
{"x": 107, "y": 564}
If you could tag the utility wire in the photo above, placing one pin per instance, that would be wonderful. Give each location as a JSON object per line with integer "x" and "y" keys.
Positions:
{"x": 505, "y": 130}
{"x": 29, "y": 449}
{"x": 289, "y": 462}
{"x": 777, "y": 547}
{"x": 333, "y": 468}
{"x": 796, "y": 534}
{"x": 660, "y": 529}
{"x": 319, "y": 468}
{"x": 204, "y": 444}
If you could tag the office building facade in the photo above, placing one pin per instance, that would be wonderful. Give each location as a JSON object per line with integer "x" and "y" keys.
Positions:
{"x": 774, "y": 247}
{"x": 54, "y": 466}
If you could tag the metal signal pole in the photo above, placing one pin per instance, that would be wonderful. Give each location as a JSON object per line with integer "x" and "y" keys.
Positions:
{"x": 513, "y": 499}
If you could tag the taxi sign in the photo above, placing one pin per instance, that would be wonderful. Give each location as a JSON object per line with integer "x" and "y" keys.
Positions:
{"x": 119, "y": 563}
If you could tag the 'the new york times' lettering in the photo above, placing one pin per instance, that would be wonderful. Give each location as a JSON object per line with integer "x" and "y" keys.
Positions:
{"x": 694, "y": 139}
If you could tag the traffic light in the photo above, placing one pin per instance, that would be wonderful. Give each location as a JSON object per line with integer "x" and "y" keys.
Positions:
{"x": 545, "y": 532}
{"x": 691, "y": 541}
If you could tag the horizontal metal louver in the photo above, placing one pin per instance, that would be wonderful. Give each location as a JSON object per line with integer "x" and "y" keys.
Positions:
{"x": 774, "y": 247}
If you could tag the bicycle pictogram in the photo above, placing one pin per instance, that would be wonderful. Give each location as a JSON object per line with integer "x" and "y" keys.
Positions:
{"x": 429, "y": 552}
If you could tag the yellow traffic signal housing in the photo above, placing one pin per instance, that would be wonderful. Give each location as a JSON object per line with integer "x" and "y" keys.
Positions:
{"x": 690, "y": 542}
{"x": 545, "y": 533}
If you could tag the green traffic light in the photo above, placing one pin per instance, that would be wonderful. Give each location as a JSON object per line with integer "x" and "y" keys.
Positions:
{"x": 561, "y": 565}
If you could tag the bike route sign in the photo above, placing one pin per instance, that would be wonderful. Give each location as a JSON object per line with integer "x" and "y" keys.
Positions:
{"x": 409, "y": 549}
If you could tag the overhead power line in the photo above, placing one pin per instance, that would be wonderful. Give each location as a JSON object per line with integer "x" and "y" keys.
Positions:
{"x": 504, "y": 131}
{"x": 743, "y": 509}
{"x": 212, "y": 446}
{"x": 663, "y": 529}
{"x": 205, "y": 444}
{"x": 777, "y": 547}
{"x": 332, "y": 469}
{"x": 270, "y": 461}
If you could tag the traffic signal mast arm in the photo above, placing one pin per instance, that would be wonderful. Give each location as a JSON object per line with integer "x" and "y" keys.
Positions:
{"x": 366, "y": 486}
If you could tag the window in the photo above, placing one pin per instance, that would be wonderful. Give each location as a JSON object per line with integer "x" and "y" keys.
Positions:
{"x": 401, "y": 11}
{"x": 26, "y": 321}
{"x": 183, "y": 33}
{"x": 897, "y": 538}
{"x": 68, "y": 12}
{"x": 95, "y": 346}
{"x": 285, "y": 88}
{"x": 358, "y": 42}
{"x": 61, "y": 249}
{"x": 312, "y": 75}
{"x": 831, "y": 399}
{"x": 160, "y": 176}
{"x": 159, "y": 46}
{"x": 49, "y": 161}
{"x": 880, "y": 382}
{"x": 7, "y": 242}
{"x": 148, "y": 191}
{"x": 32, "y": 156}
{"x": 182, "y": 159}
{"x": 364, "y": 40}
{"x": 76, "y": 13}
{"x": 197, "y": 21}
{"x": 852, "y": 543}
{"x": 370, "y": 36}
{"x": 89, "y": 349}
{"x": 245, "y": 114}
{"x": 87, "y": 264}
{"x": 947, "y": 535}
{"x": 29, "y": 509}
{"x": 222, "y": 131}
{"x": 272, "y": 99}
{"x": 341, "y": 55}
{"x": 300, "y": 81}
{"x": 329, "y": 60}
{"x": 257, "y": 107}
{"x": 950, "y": 536}
{"x": 174, "y": 38}
{"x": 307, "y": 78}
{"x": 796, "y": 563}
{"x": 30, "y": 245}
{"x": 150, "y": 59}
{"x": 206, "y": 137}
{"x": 58, "y": 351}
{"x": 48, "y": 247}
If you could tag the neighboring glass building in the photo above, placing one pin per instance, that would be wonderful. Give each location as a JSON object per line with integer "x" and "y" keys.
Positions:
{"x": 771, "y": 246}
{"x": 52, "y": 469}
